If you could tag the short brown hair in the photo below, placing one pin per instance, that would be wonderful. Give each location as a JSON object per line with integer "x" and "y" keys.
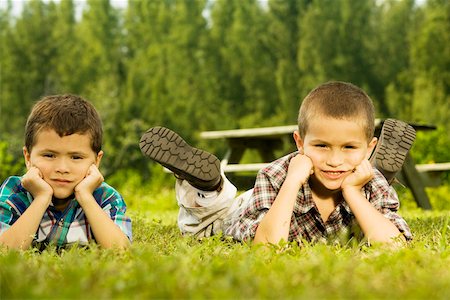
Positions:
{"x": 66, "y": 114}
{"x": 340, "y": 100}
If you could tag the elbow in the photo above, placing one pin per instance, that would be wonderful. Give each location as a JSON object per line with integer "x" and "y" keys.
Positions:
{"x": 261, "y": 236}
{"x": 14, "y": 244}
{"x": 395, "y": 241}
{"x": 266, "y": 236}
{"x": 121, "y": 244}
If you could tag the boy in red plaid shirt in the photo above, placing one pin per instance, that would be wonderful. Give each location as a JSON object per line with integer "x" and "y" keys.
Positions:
{"x": 324, "y": 191}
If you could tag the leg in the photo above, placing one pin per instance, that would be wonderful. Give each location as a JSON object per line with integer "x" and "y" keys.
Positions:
{"x": 202, "y": 213}
{"x": 204, "y": 195}
{"x": 395, "y": 140}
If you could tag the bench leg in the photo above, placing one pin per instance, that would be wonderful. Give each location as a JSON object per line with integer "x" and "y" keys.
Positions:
{"x": 414, "y": 182}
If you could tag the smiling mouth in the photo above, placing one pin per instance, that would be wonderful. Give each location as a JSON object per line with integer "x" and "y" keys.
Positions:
{"x": 334, "y": 174}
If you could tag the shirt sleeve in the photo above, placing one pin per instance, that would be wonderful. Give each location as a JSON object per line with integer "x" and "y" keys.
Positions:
{"x": 384, "y": 198}
{"x": 6, "y": 214}
{"x": 13, "y": 202}
{"x": 113, "y": 204}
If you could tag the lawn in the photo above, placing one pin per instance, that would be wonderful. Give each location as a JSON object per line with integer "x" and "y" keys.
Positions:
{"x": 162, "y": 264}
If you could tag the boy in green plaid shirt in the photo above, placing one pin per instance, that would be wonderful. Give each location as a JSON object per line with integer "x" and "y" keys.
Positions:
{"x": 328, "y": 189}
{"x": 62, "y": 198}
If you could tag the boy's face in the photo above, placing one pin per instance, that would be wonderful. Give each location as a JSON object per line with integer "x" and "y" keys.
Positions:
{"x": 335, "y": 147}
{"x": 63, "y": 161}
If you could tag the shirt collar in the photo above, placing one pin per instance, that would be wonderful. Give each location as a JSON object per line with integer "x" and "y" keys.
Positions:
{"x": 73, "y": 204}
{"x": 304, "y": 201}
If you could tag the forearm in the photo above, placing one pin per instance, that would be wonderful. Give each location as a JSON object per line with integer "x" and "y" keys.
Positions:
{"x": 275, "y": 225}
{"x": 21, "y": 234}
{"x": 374, "y": 225}
{"x": 106, "y": 232}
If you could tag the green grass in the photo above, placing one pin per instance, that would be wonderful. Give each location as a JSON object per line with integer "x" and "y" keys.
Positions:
{"x": 162, "y": 264}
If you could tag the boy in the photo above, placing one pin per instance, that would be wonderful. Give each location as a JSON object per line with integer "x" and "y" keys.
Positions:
{"x": 317, "y": 193}
{"x": 62, "y": 198}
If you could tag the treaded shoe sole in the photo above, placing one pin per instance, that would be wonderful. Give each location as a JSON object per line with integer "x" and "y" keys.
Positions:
{"x": 200, "y": 168}
{"x": 396, "y": 138}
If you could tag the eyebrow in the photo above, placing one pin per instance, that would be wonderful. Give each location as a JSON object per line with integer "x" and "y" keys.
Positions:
{"x": 325, "y": 142}
{"x": 70, "y": 153}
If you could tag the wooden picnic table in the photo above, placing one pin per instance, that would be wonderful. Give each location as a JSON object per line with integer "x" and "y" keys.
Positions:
{"x": 268, "y": 140}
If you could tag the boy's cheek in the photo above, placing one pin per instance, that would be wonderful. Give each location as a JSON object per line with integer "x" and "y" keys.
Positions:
{"x": 357, "y": 160}
{"x": 314, "y": 158}
{"x": 33, "y": 163}
{"x": 29, "y": 163}
{"x": 86, "y": 171}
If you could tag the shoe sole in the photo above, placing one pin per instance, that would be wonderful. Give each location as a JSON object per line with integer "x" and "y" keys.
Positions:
{"x": 395, "y": 140}
{"x": 200, "y": 168}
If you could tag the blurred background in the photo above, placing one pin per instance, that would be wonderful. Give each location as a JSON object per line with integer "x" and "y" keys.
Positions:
{"x": 196, "y": 65}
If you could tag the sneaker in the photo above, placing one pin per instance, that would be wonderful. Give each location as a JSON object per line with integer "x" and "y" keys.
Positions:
{"x": 396, "y": 138}
{"x": 200, "y": 168}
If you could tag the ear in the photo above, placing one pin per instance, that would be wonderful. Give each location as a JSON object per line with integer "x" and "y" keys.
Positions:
{"x": 298, "y": 141}
{"x": 26, "y": 155}
{"x": 98, "y": 158}
{"x": 371, "y": 146}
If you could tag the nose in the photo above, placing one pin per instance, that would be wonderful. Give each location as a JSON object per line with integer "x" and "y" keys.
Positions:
{"x": 62, "y": 165}
{"x": 335, "y": 158}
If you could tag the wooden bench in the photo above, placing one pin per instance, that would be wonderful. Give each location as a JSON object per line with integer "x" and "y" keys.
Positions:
{"x": 267, "y": 140}
{"x": 431, "y": 173}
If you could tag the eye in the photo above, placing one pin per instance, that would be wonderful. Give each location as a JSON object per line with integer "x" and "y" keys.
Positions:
{"x": 320, "y": 145}
{"x": 76, "y": 157}
{"x": 48, "y": 155}
{"x": 350, "y": 147}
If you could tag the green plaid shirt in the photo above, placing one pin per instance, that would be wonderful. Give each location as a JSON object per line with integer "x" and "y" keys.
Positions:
{"x": 61, "y": 227}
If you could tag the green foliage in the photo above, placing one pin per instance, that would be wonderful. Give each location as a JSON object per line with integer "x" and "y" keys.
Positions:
{"x": 8, "y": 165}
{"x": 430, "y": 62}
{"x": 334, "y": 45}
{"x": 431, "y": 147}
{"x": 438, "y": 197}
{"x": 145, "y": 194}
{"x": 206, "y": 65}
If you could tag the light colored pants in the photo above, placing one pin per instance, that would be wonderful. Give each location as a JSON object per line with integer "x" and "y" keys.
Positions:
{"x": 203, "y": 213}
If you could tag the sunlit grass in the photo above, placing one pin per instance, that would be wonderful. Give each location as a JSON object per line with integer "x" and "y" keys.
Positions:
{"x": 162, "y": 264}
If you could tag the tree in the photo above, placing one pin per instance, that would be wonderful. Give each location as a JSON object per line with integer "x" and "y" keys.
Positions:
{"x": 335, "y": 45}
{"x": 167, "y": 80}
{"x": 247, "y": 62}
{"x": 26, "y": 65}
{"x": 67, "y": 55}
{"x": 430, "y": 61}
{"x": 284, "y": 34}
{"x": 99, "y": 74}
{"x": 391, "y": 54}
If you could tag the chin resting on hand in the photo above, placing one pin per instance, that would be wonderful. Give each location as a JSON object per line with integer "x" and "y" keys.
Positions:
{"x": 91, "y": 181}
{"x": 34, "y": 183}
{"x": 362, "y": 174}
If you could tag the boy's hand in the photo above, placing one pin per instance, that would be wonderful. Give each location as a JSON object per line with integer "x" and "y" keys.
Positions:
{"x": 34, "y": 183}
{"x": 300, "y": 168}
{"x": 362, "y": 174}
{"x": 91, "y": 181}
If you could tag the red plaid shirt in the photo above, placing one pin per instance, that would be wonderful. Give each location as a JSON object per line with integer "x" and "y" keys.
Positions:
{"x": 306, "y": 222}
